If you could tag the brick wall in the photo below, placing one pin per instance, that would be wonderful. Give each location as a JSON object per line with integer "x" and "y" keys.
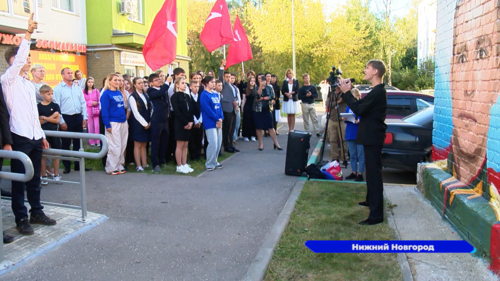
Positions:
{"x": 99, "y": 67}
{"x": 467, "y": 118}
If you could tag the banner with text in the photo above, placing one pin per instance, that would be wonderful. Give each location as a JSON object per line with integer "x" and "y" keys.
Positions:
{"x": 54, "y": 62}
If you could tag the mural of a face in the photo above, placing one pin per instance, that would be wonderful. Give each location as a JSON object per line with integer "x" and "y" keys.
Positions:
{"x": 475, "y": 83}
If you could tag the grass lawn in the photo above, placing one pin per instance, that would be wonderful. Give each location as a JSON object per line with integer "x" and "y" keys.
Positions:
{"x": 329, "y": 211}
{"x": 170, "y": 169}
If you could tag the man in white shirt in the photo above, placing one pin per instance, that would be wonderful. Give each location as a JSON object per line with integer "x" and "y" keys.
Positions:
{"x": 27, "y": 134}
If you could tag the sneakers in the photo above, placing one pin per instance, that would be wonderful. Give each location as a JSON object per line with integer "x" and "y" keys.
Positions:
{"x": 57, "y": 179}
{"x": 188, "y": 168}
{"x": 351, "y": 176}
{"x": 42, "y": 219}
{"x": 253, "y": 139}
{"x": 219, "y": 166}
{"x": 43, "y": 181}
{"x": 122, "y": 171}
{"x": 246, "y": 139}
{"x": 24, "y": 227}
{"x": 182, "y": 169}
{"x": 139, "y": 169}
{"x": 114, "y": 173}
{"x": 359, "y": 177}
{"x": 157, "y": 169}
{"x": 210, "y": 169}
{"x": 49, "y": 174}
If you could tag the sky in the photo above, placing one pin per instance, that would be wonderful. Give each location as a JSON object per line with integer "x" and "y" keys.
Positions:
{"x": 400, "y": 8}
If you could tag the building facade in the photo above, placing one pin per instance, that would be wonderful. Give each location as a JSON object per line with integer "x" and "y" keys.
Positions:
{"x": 427, "y": 16}
{"x": 60, "y": 40}
{"x": 117, "y": 30}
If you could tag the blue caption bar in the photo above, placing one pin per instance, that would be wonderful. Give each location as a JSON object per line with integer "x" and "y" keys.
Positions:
{"x": 421, "y": 246}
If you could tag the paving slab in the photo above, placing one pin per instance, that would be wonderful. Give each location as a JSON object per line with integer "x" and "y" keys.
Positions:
{"x": 416, "y": 219}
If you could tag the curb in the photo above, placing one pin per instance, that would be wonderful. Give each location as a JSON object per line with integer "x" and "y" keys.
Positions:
{"x": 402, "y": 258}
{"x": 258, "y": 267}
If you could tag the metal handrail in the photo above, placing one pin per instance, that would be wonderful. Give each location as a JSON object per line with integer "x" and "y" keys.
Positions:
{"x": 27, "y": 176}
{"x": 28, "y": 166}
{"x": 77, "y": 154}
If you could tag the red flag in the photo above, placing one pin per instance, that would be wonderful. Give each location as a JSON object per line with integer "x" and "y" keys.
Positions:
{"x": 160, "y": 47}
{"x": 239, "y": 49}
{"x": 217, "y": 29}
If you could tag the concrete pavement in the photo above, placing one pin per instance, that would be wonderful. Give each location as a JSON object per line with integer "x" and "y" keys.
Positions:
{"x": 171, "y": 227}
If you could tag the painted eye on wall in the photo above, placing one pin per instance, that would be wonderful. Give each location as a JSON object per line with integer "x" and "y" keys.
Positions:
{"x": 482, "y": 54}
{"x": 462, "y": 58}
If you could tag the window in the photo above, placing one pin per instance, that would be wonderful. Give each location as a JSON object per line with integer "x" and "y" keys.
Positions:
{"x": 398, "y": 106}
{"x": 65, "y": 5}
{"x": 130, "y": 70}
{"x": 136, "y": 10}
{"x": 22, "y": 8}
{"x": 421, "y": 104}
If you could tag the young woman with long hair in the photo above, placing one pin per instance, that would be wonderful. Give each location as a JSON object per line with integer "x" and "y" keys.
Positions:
{"x": 248, "y": 131}
{"x": 139, "y": 122}
{"x": 92, "y": 96}
{"x": 115, "y": 119}
{"x": 183, "y": 110}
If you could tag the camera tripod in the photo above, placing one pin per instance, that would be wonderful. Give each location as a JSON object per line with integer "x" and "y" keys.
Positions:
{"x": 333, "y": 96}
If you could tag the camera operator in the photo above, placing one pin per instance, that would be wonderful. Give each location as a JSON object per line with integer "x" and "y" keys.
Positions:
{"x": 336, "y": 129}
{"x": 371, "y": 134}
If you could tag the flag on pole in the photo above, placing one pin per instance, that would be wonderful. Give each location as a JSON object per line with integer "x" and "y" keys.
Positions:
{"x": 217, "y": 30}
{"x": 160, "y": 47}
{"x": 239, "y": 49}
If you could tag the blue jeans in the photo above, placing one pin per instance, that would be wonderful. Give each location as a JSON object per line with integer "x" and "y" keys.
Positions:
{"x": 357, "y": 156}
{"x": 237, "y": 125}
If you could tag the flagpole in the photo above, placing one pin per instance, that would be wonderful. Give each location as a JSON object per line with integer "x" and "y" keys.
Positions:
{"x": 293, "y": 40}
{"x": 242, "y": 68}
{"x": 224, "y": 51}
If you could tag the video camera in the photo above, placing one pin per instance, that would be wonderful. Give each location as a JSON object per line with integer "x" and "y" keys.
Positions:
{"x": 334, "y": 77}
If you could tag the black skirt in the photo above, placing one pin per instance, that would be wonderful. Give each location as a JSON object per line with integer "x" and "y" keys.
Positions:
{"x": 181, "y": 134}
{"x": 248, "y": 129}
{"x": 263, "y": 120}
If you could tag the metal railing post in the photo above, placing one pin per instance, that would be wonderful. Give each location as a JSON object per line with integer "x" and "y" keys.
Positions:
{"x": 83, "y": 185}
{"x": 27, "y": 176}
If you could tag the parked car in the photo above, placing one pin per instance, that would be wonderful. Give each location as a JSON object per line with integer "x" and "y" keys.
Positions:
{"x": 403, "y": 103}
{"x": 408, "y": 141}
{"x": 368, "y": 87}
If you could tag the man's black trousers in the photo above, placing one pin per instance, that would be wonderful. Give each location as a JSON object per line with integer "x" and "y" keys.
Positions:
{"x": 32, "y": 148}
{"x": 159, "y": 142}
{"x": 74, "y": 123}
{"x": 228, "y": 129}
{"x": 375, "y": 186}
{"x": 195, "y": 143}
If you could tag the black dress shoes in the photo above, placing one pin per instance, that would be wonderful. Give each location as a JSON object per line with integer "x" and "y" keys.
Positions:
{"x": 230, "y": 150}
{"x": 364, "y": 203}
{"x": 66, "y": 171}
{"x": 371, "y": 222}
{"x": 235, "y": 149}
{"x": 7, "y": 238}
{"x": 6, "y": 193}
{"x": 86, "y": 170}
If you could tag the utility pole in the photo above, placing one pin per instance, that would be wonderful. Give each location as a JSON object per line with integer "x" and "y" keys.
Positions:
{"x": 293, "y": 40}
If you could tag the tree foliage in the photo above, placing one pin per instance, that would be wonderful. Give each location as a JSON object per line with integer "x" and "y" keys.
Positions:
{"x": 348, "y": 38}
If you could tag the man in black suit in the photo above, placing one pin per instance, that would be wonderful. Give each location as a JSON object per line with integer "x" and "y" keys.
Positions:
{"x": 229, "y": 105}
{"x": 159, "y": 121}
{"x": 195, "y": 142}
{"x": 6, "y": 143}
{"x": 371, "y": 134}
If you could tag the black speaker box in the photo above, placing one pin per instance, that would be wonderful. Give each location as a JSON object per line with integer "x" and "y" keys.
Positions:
{"x": 297, "y": 152}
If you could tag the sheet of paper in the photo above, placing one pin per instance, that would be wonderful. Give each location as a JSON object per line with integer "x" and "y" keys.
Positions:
{"x": 350, "y": 117}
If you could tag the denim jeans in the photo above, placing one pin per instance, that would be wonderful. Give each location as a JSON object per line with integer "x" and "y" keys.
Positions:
{"x": 237, "y": 125}
{"x": 214, "y": 137}
{"x": 357, "y": 155}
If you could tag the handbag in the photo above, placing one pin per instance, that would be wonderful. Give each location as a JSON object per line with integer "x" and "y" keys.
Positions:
{"x": 95, "y": 110}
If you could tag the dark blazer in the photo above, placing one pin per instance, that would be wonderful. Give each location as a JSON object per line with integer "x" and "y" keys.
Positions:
{"x": 277, "y": 94}
{"x": 372, "y": 110}
{"x": 161, "y": 104}
{"x": 227, "y": 94}
{"x": 5, "y": 136}
{"x": 295, "y": 89}
{"x": 183, "y": 109}
{"x": 196, "y": 106}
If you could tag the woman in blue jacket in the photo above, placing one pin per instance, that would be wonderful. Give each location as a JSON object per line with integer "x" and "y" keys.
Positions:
{"x": 356, "y": 151}
{"x": 113, "y": 111}
{"x": 211, "y": 112}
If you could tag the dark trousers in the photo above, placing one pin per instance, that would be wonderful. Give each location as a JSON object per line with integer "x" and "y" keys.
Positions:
{"x": 74, "y": 123}
{"x": 32, "y": 148}
{"x": 159, "y": 142}
{"x": 129, "y": 151}
{"x": 195, "y": 143}
{"x": 375, "y": 186}
{"x": 172, "y": 143}
{"x": 228, "y": 129}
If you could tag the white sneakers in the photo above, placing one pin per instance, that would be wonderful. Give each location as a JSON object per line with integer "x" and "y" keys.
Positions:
{"x": 246, "y": 139}
{"x": 253, "y": 139}
{"x": 184, "y": 169}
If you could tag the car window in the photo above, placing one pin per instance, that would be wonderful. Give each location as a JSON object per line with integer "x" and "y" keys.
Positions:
{"x": 421, "y": 104}
{"x": 398, "y": 106}
{"x": 423, "y": 117}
